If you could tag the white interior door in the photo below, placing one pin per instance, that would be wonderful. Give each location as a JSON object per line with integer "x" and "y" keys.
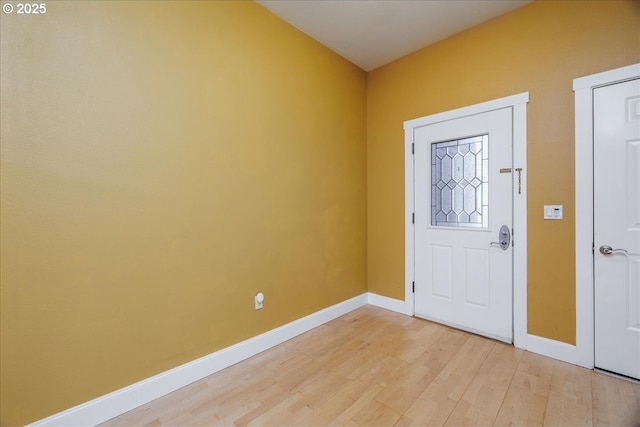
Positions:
{"x": 617, "y": 227}
{"x": 463, "y": 197}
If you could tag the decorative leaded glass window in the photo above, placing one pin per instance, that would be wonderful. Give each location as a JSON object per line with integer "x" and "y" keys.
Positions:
{"x": 460, "y": 182}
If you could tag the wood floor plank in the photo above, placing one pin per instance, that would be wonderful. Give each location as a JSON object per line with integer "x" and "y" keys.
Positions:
{"x": 417, "y": 377}
{"x": 336, "y": 404}
{"x": 437, "y": 402}
{"x": 268, "y": 399}
{"x": 526, "y": 399}
{"x": 314, "y": 395}
{"x": 282, "y": 414}
{"x": 336, "y": 413}
{"x": 408, "y": 385}
{"x": 569, "y": 402}
{"x": 376, "y": 367}
{"x": 374, "y": 414}
{"x": 615, "y": 401}
{"x": 384, "y": 372}
{"x": 483, "y": 398}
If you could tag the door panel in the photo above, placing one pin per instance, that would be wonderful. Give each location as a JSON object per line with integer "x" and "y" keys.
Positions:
{"x": 442, "y": 271}
{"x": 463, "y": 195}
{"x": 617, "y": 226}
{"x": 476, "y": 278}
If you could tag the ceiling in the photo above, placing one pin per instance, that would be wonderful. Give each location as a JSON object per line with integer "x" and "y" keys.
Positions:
{"x": 371, "y": 33}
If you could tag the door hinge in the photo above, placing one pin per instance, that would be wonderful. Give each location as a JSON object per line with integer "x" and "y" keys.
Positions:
{"x": 413, "y": 218}
{"x": 413, "y": 287}
{"x": 413, "y": 148}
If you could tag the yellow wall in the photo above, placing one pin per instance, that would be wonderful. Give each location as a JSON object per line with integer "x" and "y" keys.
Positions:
{"x": 539, "y": 48}
{"x": 162, "y": 162}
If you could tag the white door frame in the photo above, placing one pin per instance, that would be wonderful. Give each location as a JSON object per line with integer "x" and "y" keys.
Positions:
{"x": 583, "y": 88}
{"x": 518, "y": 105}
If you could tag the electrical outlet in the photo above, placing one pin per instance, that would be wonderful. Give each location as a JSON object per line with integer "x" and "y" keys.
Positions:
{"x": 259, "y": 300}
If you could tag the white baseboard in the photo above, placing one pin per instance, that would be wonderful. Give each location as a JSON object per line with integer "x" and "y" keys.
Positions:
{"x": 392, "y": 304}
{"x": 120, "y": 401}
{"x": 552, "y": 348}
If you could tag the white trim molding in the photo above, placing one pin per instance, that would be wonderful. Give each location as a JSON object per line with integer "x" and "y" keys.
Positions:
{"x": 583, "y": 88}
{"x": 518, "y": 104}
{"x": 409, "y": 209}
{"x": 399, "y": 306}
{"x": 552, "y": 348}
{"x": 120, "y": 401}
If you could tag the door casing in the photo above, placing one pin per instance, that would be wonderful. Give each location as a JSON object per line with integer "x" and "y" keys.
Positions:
{"x": 583, "y": 88}
{"x": 518, "y": 105}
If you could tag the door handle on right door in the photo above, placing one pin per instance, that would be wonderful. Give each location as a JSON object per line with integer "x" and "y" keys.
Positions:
{"x": 608, "y": 250}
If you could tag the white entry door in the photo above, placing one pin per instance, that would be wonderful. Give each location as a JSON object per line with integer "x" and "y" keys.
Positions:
{"x": 617, "y": 227}
{"x": 463, "y": 200}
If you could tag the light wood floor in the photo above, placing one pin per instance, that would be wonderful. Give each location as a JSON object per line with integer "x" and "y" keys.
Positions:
{"x": 373, "y": 367}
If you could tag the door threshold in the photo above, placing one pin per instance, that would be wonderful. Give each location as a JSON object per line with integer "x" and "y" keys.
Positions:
{"x": 483, "y": 334}
{"x": 616, "y": 375}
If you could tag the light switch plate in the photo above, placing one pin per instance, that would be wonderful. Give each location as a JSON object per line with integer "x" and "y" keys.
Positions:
{"x": 552, "y": 211}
